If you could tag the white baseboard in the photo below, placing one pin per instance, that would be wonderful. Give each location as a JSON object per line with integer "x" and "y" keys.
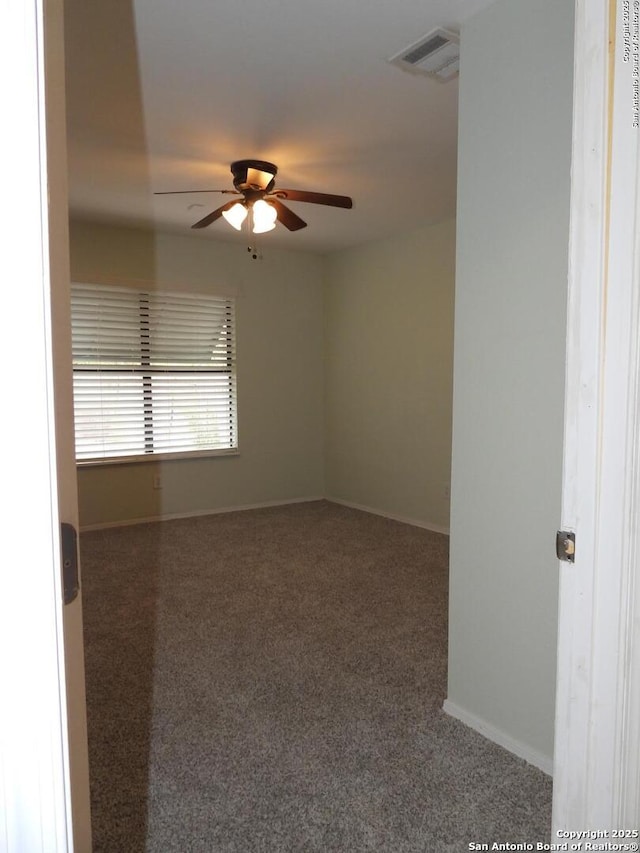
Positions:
{"x": 435, "y": 528}
{"x": 532, "y": 756}
{"x": 169, "y": 516}
{"x": 415, "y": 522}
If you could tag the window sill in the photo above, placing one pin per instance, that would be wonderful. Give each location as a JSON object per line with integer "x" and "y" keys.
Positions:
{"x": 155, "y": 457}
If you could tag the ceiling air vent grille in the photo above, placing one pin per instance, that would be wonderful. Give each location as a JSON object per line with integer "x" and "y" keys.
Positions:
{"x": 436, "y": 54}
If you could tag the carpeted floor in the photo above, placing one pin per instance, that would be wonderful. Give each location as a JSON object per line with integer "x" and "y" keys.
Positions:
{"x": 272, "y": 680}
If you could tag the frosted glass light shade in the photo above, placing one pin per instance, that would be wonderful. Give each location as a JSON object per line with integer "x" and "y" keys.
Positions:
{"x": 264, "y": 217}
{"x": 236, "y": 215}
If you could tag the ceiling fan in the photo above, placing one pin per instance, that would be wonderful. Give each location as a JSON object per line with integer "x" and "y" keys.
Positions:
{"x": 254, "y": 180}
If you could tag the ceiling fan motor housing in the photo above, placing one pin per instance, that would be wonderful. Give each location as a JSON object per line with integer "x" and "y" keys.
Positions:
{"x": 253, "y": 175}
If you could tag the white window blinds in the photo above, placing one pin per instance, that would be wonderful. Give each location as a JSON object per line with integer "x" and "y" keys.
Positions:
{"x": 153, "y": 373}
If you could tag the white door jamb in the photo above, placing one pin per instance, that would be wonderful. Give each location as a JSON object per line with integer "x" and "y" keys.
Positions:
{"x": 597, "y": 752}
{"x": 35, "y": 801}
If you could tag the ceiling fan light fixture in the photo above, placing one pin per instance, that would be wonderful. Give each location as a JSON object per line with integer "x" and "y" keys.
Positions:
{"x": 264, "y": 217}
{"x": 261, "y": 204}
{"x": 236, "y": 215}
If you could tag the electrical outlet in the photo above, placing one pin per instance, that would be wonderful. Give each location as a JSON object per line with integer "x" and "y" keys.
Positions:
{"x": 157, "y": 481}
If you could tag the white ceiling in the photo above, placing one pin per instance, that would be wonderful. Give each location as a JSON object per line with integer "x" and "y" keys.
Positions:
{"x": 163, "y": 95}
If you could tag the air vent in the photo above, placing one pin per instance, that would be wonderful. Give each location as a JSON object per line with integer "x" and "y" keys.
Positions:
{"x": 437, "y": 54}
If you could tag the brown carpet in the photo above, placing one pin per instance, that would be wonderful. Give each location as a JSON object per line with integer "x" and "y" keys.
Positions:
{"x": 272, "y": 680}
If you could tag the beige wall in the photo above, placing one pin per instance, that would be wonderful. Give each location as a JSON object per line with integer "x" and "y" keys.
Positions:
{"x": 376, "y": 396}
{"x": 388, "y": 355}
{"x": 511, "y": 289}
{"x": 279, "y": 351}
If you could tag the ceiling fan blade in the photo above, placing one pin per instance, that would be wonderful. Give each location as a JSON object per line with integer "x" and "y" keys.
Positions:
{"x": 288, "y": 218}
{"x": 187, "y": 192}
{"x": 216, "y": 214}
{"x": 315, "y": 198}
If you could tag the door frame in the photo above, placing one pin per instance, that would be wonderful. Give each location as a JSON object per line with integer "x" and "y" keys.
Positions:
{"x": 597, "y": 728}
{"x": 44, "y": 788}
{"x": 35, "y": 796}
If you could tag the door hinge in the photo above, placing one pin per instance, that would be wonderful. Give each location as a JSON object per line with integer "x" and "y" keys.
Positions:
{"x": 69, "y": 545}
{"x": 566, "y": 546}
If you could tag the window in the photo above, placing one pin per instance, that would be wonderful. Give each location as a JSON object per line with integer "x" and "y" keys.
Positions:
{"x": 153, "y": 373}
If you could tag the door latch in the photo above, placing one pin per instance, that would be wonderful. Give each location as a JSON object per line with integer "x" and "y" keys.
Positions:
{"x": 69, "y": 545}
{"x": 566, "y": 546}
